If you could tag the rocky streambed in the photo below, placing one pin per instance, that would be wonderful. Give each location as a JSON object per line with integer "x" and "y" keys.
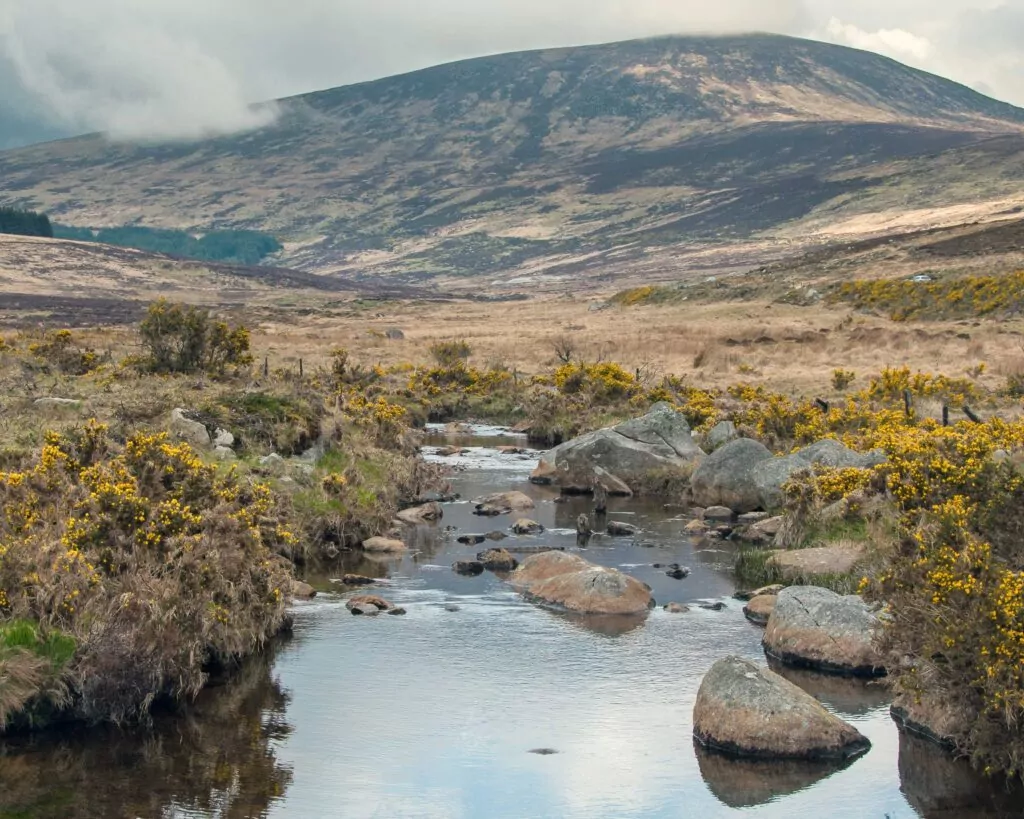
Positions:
{"x": 497, "y": 695}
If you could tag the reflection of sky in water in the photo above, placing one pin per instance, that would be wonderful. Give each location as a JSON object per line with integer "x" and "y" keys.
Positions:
{"x": 433, "y": 714}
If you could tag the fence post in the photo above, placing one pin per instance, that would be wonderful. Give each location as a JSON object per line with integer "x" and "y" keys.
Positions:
{"x": 945, "y": 415}
{"x": 822, "y": 405}
{"x": 266, "y": 366}
{"x": 908, "y": 403}
{"x": 300, "y": 368}
{"x": 971, "y": 414}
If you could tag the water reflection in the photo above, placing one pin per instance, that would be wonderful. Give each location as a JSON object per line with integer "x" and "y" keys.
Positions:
{"x": 217, "y": 760}
{"x": 941, "y": 787}
{"x": 849, "y": 696}
{"x": 745, "y": 783}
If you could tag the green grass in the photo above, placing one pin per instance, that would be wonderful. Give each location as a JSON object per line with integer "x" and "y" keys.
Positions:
{"x": 56, "y": 647}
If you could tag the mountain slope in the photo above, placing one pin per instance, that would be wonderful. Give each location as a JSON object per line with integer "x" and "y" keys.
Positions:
{"x": 533, "y": 161}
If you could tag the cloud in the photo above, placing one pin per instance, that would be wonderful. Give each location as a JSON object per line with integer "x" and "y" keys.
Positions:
{"x": 893, "y": 42}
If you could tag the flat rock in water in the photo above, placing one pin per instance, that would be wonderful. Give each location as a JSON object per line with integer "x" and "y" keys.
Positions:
{"x": 383, "y": 545}
{"x": 367, "y": 609}
{"x": 676, "y": 608}
{"x": 618, "y": 529}
{"x": 497, "y": 560}
{"x": 718, "y": 514}
{"x": 398, "y": 611}
{"x": 426, "y": 513}
{"x": 696, "y": 526}
{"x": 806, "y": 564}
{"x": 357, "y": 580}
{"x": 774, "y": 589}
{"x": 495, "y": 536}
{"x": 471, "y": 540}
{"x": 570, "y": 582}
{"x": 503, "y": 503}
{"x": 367, "y": 600}
{"x": 469, "y": 568}
{"x": 759, "y": 609}
{"x": 746, "y": 710}
{"x": 817, "y": 628}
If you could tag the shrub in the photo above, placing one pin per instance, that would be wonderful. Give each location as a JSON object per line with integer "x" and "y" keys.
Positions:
{"x": 179, "y": 338}
{"x": 451, "y": 353}
{"x": 155, "y": 564}
{"x": 57, "y": 348}
{"x": 841, "y": 379}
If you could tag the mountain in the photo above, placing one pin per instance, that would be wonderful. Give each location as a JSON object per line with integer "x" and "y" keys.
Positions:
{"x": 567, "y": 162}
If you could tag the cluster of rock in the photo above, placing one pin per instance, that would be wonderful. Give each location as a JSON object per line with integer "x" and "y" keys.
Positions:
{"x": 491, "y": 560}
{"x": 747, "y": 710}
{"x": 196, "y": 435}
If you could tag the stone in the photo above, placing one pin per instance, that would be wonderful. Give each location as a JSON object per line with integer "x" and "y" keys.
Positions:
{"x": 383, "y": 545}
{"x": 773, "y": 589}
{"x": 717, "y": 514}
{"x": 448, "y": 451}
{"x": 936, "y": 719}
{"x": 816, "y": 628}
{"x": 495, "y": 536}
{"x": 620, "y": 457}
{"x": 427, "y": 513}
{"x": 746, "y": 710}
{"x": 677, "y": 572}
{"x": 397, "y": 611}
{"x": 223, "y": 438}
{"x": 471, "y": 540}
{"x": 571, "y": 583}
{"x": 191, "y": 432}
{"x": 619, "y": 529}
{"x": 717, "y": 605}
{"x": 301, "y": 591}
{"x": 367, "y": 600}
{"x": 357, "y": 580}
{"x": 497, "y": 560}
{"x": 394, "y": 334}
{"x": 769, "y": 527}
{"x": 771, "y": 476}
{"x": 503, "y": 503}
{"x": 719, "y": 435}
{"x": 367, "y": 609}
{"x": 224, "y": 453}
{"x": 273, "y": 462}
{"x": 525, "y": 526}
{"x": 511, "y": 450}
{"x": 69, "y": 403}
{"x": 806, "y": 564}
{"x": 759, "y": 609}
{"x": 725, "y": 477}
{"x": 456, "y": 428}
{"x": 750, "y": 518}
{"x": 468, "y": 568}
{"x": 676, "y": 608}
{"x": 452, "y": 607}
{"x": 696, "y": 526}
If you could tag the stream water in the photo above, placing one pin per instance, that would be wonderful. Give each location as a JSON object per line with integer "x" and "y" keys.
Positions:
{"x": 440, "y": 713}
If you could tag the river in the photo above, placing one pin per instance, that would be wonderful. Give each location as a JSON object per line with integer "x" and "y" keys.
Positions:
{"x": 441, "y": 713}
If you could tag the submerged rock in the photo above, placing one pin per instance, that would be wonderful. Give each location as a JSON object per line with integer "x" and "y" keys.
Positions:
{"x": 367, "y": 609}
{"x": 677, "y": 572}
{"x": 471, "y": 540}
{"x": 357, "y": 580}
{"x": 469, "y": 568}
{"x": 621, "y": 457}
{"x": 301, "y": 591}
{"x": 618, "y": 529}
{"x": 747, "y": 710}
{"x": 774, "y": 589}
{"x": 363, "y": 600}
{"x": 503, "y": 503}
{"x": 676, "y": 608}
{"x": 817, "y": 628}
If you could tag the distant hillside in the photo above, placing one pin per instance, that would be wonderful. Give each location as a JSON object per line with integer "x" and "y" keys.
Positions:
{"x": 567, "y": 161}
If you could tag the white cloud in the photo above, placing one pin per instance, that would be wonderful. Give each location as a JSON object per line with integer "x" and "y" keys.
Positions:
{"x": 893, "y": 42}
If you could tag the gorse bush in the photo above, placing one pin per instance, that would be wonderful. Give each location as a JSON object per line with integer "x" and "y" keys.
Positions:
{"x": 178, "y": 338}
{"x": 57, "y": 349}
{"x": 451, "y": 353}
{"x": 155, "y": 564}
{"x": 841, "y": 379}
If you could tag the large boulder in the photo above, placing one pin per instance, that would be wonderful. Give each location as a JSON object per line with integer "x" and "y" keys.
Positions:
{"x": 191, "y": 432}
{"x": 746, "y": 710}
{"x": 725, "y": 477}
{"x": 817, "y": 628}
{"x": 770, "y": 476}
{"x": 719, "y": 435}
{"x": 620, "y": 457}
{"x": 571, "y": 583}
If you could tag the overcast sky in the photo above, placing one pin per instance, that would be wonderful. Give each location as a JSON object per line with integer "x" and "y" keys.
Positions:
{"x": 169, "y": 68}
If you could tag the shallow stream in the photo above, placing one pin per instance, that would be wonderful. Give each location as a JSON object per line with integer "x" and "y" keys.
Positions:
{"x": 440, "y": 713}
